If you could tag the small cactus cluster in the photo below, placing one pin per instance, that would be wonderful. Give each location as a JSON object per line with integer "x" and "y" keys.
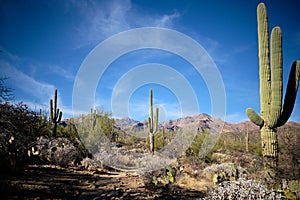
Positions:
{"x": 167, "y": 178}
{"x": 55, "y": 114}
{"x": 218, "y": 173}
{"x": 230, "y": 175}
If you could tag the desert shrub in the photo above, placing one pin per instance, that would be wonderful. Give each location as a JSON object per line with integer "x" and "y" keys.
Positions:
{"x": 129, "y": 140}
{"x": 294, "y": 185}
{"x": 194, "y": 148}
{"x": 161, "y": 139}
{"x": 193, "y": 155}
{"x": 19, "y": 127}
{"x": 58, "y": 151}
{"x": 91, "y": 164}
{"x": 224, "y": 172}
{"x": 162, "y": 177}
{"x": 289, "y": 153}
{"x": 95, "y": 129}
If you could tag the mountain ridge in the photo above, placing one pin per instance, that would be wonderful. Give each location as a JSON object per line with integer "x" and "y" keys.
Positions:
{"x": 202, "y": 120}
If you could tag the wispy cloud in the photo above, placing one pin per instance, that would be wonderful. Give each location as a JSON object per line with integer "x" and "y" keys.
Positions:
{"x": 31, "y": 88}
{"x": 27, "y": 84}
{"x": 61, "y": 71}
{"x": 101, "y": 19}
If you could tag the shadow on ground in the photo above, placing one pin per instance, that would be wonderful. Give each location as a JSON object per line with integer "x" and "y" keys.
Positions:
{"x": 52, "y": 182}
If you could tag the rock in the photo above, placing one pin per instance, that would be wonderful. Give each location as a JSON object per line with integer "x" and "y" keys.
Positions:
{"x": 242, "y": 189}
{"x": 58, "y": 151}
{"x": 91, "y": 164}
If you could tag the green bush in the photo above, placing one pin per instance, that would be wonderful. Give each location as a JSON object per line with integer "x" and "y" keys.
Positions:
{"x": 193, "y": 150}
{"x": 95, "y": 129}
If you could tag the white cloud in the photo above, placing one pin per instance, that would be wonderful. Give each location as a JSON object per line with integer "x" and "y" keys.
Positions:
{"x": 27, "y": 84}
{"x": 61, "y": 71}
{"x": 102, "y": 19}
{"x": 32, "y": 89}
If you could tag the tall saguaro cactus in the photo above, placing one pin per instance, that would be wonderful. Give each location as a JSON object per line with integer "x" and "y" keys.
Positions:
{"x": 153, "y": 123}
{"x": 55, "y": 114}
{"x": 272, "y": 113}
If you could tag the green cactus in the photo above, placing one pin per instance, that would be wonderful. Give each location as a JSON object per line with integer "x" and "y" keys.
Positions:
{"x": 153, "y": 123}
{"x": 272, "y": 113}
{"x": 247, "y": 138}
{"x": 170, "y": 175}
{"x": 55, "y": 114}
{"x": 163, "y": 136}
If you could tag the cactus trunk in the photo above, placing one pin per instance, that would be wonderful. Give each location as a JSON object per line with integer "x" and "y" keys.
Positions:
{"x": 153, "y": 123}
{"x": 269, "y": 144}
{"x": 247, "y": 139}
{"x": 55, "y": 114}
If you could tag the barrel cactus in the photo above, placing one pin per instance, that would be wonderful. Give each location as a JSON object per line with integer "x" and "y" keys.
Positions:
{"x": 273, "y": 113}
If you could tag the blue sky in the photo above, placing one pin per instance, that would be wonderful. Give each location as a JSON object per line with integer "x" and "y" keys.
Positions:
{"x": 44, "y": 44}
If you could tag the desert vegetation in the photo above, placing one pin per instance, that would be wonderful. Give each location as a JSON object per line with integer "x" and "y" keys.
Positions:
{"x": 235, "y": 163}
{"x": 94, "y": 156}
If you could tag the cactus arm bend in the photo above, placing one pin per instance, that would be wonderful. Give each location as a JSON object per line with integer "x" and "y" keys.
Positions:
{"x": 276, "y": 77}
{"x": 59, "y": 115}
{"x": 255, "y": 118}
{"x": 291, "y": 93}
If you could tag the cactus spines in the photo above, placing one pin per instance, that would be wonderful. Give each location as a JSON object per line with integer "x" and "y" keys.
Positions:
{"x": 272, "y": 113}
{"x": 153, "y": 123}
{"x": 55, "y": 114}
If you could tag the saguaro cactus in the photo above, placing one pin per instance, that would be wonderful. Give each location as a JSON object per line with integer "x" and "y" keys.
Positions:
{"x": 55, "y": 114}
{"x": 247, "y": 138}
{"x": 272, "y": 113}
{"x": 153, "y": 123}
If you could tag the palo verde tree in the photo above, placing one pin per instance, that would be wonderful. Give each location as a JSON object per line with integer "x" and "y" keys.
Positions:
{"x": 272, "y": 113}
{"x": 55, "y": 114}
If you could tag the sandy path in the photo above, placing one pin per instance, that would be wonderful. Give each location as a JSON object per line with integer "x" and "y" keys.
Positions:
{"x": 52, "y": 182}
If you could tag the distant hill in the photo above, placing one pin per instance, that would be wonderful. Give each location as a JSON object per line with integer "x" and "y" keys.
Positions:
{"x": 200, "y": 122}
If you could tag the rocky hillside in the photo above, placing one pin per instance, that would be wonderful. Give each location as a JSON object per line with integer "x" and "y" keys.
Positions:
{"x": 200, "y": 122}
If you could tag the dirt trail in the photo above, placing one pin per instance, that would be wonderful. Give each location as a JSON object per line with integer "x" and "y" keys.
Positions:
{"x": 52, "y": 182}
